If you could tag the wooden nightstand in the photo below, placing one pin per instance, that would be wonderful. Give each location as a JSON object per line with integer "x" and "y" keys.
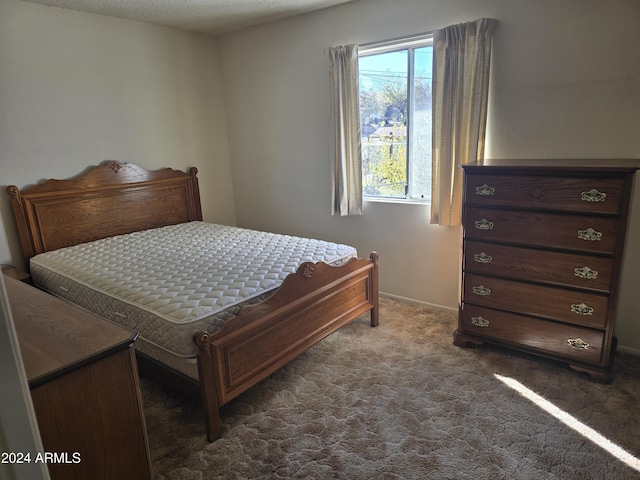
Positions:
{"x": 84, "y": 386}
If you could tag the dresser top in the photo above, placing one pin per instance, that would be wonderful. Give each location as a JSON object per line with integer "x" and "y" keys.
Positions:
{"x": 556, "y": 165}
{"x": 56, "y": 337}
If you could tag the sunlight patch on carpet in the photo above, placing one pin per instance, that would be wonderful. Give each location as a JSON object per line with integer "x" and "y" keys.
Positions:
{"x": 572, "y": 422}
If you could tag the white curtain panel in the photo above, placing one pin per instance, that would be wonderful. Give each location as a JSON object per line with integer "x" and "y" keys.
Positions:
{"x": 345, "y": 116}
{"x": 461, "y": 59}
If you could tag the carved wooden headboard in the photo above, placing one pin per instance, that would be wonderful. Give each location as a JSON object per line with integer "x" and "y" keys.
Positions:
{"x": 110, "y": 199}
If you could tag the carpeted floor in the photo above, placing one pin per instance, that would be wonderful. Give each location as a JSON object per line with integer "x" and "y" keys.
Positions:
{"x": 400, "y": 402}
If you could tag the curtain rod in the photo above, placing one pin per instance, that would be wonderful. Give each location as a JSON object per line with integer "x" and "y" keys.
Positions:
{"x": 407, "y": 38}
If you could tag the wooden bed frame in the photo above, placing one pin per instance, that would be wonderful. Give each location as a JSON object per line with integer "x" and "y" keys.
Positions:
{"x": 117, "y": 198}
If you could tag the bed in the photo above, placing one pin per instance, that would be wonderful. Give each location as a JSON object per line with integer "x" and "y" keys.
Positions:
{"x": 97, "y": 239}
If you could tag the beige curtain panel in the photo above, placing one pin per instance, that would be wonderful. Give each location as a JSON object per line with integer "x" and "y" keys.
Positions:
{"x": 345, "y": 117}
{"x": 461, "y": 59}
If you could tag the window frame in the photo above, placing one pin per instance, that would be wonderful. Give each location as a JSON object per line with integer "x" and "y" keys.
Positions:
{"x": 409, "y": 43}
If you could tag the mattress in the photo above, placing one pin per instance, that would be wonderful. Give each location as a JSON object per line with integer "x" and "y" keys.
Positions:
{"x": 169, "y": 282}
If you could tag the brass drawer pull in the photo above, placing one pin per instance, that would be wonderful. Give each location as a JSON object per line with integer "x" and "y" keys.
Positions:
{"x": 482, "y": 258}
{"x": 481, "y": 290}
{"x": 578, "y": 343}
{"x": 484, "y": 224}
{"x": 485, "y": 190}
{"x": 586, "y": 272}
{"x": 581, "y": 309}
{"x": 593, "y": 195}
{"x": 480, "y": 322}
{"x": 590, "y": 235}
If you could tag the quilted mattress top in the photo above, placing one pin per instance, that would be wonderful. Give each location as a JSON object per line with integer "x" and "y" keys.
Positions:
{"x": 183, "y": 273}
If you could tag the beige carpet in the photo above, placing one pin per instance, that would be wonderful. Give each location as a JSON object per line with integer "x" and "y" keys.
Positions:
{"x": 399, "y": 402}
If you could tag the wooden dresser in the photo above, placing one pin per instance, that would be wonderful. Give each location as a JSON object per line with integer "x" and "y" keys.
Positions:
{"x": 84, "y": 387}
{"x": 542, "y": 254}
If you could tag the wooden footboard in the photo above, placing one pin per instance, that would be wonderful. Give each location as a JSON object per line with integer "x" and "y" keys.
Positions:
{"x": 309, "y": 305}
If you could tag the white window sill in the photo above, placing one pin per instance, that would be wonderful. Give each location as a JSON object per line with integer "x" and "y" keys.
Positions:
{"x": 405, "y": 201}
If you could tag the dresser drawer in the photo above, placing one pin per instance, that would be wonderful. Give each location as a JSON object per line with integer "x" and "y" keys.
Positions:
{"x": 573, "y": 306}
{"x": 583, "y": 271}
{"x": 569, "y": 341}
{"x": 573, "y": 232}
{"x": 592, "y": 195}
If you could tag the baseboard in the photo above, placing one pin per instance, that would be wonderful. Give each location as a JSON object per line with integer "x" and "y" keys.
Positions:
{"x": 418, "y": 302}
{"x": 629, "y": 350}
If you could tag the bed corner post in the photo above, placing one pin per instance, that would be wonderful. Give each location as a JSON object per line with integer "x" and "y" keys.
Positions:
{"x": 22, "y": 223}
{"x": 373, "y": 286}
{"x": 193, "y": 171}
{"x": 208, "y": 386}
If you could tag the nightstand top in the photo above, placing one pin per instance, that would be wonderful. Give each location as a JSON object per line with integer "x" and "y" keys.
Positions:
{"x": 57, "y": 337}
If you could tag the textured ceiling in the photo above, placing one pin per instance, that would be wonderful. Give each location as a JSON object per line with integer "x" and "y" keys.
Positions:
{"x": 207, "y": 16}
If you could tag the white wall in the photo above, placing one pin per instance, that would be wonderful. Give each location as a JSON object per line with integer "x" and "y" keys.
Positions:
{"x": 77, "y": 89}
{"x": 565, "y": 84}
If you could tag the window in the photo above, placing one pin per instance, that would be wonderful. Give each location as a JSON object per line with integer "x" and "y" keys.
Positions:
{"x": 395, "y": 111}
